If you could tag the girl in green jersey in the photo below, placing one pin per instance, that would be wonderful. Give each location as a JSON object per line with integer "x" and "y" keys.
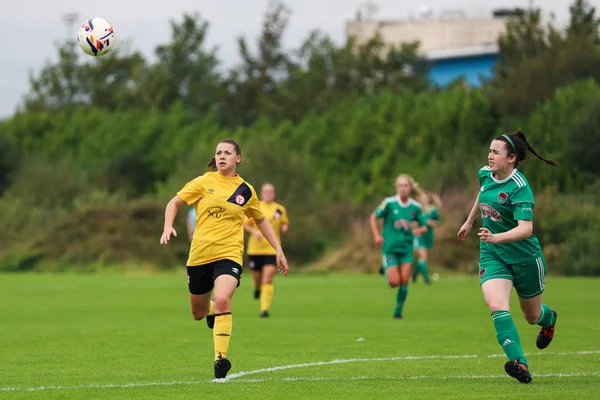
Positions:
{"x": 424, "y": 243}
{"x": 399, "y": 213}
{"x": 510, "y": 254}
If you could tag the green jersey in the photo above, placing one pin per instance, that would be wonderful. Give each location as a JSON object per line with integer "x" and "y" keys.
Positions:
{"x": 397, "y": 223}
{"x": 503, "y": 203}
{"x": 433, "y": 214}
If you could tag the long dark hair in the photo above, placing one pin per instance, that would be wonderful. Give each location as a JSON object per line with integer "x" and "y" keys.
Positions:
{"x": 521, "y": 145}
{"x": 212, "y": 163}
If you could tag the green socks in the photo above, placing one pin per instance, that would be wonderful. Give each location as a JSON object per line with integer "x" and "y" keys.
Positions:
{"x": 400, "y": 299}
{"x": 507, "y": 336}
{"x": 422, "y": 266}
{"x": 546, "y": 319}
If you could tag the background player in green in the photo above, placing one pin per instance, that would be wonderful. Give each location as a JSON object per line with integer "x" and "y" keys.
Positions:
{"x": 424, "y": 243}
{"x": 510, "y": 255}
{"x": 398, "y": 213}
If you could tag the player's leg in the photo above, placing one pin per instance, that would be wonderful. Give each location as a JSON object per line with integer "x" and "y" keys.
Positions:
{"x": 496, "y": 285}
{"x": 200, "y": 286}
{"x": 529, "y": 284}
{"x": 255, "y": 263}
{"x": 423, "y": 254}
{"x": 266, "y": 295}
{"x": 405, "y": 269}
{"x": 415, "y": 270}
{"x": 226, "y": 277}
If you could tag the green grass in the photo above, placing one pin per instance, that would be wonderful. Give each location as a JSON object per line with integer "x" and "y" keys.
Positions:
{"x": 114, "y": 336}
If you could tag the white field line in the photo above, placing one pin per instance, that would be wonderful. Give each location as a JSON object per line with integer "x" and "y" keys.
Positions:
{"x": 234, "y": 377}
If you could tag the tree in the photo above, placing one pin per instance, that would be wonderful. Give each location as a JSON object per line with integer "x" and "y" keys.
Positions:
{"x": 534, "y": 59}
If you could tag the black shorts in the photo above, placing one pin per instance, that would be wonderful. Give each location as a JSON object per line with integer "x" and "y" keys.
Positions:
{"x": 201, "y": 278}
{"x": 256, "y": 263}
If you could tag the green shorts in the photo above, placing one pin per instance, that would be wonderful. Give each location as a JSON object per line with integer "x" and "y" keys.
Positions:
{"x": 422, "y": 243}
{"x": 528, "y": 277}
{"x": 395, "y": 259}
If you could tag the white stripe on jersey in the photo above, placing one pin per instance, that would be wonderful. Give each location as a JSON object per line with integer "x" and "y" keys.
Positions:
{"x": 520, "y": 182}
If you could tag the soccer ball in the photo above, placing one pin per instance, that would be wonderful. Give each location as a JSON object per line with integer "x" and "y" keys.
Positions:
{"x": 96, "y": 37}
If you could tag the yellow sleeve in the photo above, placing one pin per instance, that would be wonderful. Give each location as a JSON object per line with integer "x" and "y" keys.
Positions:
{"x": 192, "y": 191}
{"x": 284, "y": 216}
{"x": 253, "y": 208}
{"x": 249, "y": 221}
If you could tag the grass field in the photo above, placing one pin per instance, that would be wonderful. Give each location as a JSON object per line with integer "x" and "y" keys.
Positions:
{"x": 329, "y": 337}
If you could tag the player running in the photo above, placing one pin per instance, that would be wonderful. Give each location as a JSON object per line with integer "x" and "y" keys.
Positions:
{"x": 261, "y": 253}
{"x": 398, "y": 214}
{"x": 424, "y": 243}
{"x": 510, "y": 254}
{"x": 222, "y": 200}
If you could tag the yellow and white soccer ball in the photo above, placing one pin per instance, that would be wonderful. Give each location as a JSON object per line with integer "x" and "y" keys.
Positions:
{"x": 96, "y": 37}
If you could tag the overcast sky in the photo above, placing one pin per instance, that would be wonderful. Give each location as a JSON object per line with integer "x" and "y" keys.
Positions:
{"x": 29, "y": 28}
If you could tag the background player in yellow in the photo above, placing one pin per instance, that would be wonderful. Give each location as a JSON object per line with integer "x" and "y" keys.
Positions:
{"x": 510, "y": 255}
{"x": 222, "y": 200}
{"x": 261, "y": 253}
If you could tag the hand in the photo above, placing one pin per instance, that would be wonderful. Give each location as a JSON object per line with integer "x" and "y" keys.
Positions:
{"x": 486, "y": 236}
{"x": 282, "y": 264}
{"x": 378, "y": 240}
{"x": 464, "y": 230}
{"x": 284, "y": 228}
{"x": 419, "y": 231}
{"x": 166, "y": 235}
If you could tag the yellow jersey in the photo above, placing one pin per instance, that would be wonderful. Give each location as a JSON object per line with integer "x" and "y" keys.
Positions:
{"x": 277, "y": 216}
{"x": 221, "y": 203}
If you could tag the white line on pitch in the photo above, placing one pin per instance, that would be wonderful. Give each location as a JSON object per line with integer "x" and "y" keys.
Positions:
{"x": 233, "y": 377}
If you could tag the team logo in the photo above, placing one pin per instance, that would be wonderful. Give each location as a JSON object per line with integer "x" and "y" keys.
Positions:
{"x": 482, "y": 273}
{"x": 216, "y": 211}
{"x": 413, "y": 214}
{"x": 210, "y": 191}
{"x": 240, "y": 199}
{"x": 488, "y": 211}
{"x": 502, "y": 197}
{"x": 277, "y": 214}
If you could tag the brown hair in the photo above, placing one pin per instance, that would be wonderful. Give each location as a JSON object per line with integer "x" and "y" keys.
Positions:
{"x": 521, "y": 145}
{"x": 212, "y": 163}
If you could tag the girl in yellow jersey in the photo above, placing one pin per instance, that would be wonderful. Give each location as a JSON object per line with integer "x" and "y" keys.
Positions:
{"x": 262, "y": 254}
{"x": 222, "y": 200}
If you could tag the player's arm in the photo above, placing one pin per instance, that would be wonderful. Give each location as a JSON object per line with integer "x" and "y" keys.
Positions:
{"x": 170, "y": 214}
{"x": 522, "y": 231}
{"x": 422, "y": 228}
{"x": 466, "y": 228}
{"x": 252, "y": 229}
{"x": 267, "y": 231}
{"x": 375, "y": 229}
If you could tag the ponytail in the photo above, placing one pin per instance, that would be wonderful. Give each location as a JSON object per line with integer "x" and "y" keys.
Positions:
{"x": 521, "y": 136}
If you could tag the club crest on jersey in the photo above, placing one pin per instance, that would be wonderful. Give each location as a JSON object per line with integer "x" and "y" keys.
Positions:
{"x": 240, "y": 199}
{"x": 502, "y": 197}
{"x": 277, "y": 214}
{"x": 489, "y": 211}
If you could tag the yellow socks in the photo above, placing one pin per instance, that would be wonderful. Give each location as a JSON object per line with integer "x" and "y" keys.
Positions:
{"x": 222, "y": 334}
{"x": 266, "y": 296}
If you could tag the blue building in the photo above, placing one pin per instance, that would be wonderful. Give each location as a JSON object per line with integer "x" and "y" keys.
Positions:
{"x": 472, "y": 64}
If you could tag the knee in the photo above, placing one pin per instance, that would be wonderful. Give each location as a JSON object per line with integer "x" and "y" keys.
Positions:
{"x": 394, "y": 282}
{"x": 222, "y": 304}
{"x": 199, "y": 314}
{"x": 495, "y": 305}
{"x": 403, "y": 281}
